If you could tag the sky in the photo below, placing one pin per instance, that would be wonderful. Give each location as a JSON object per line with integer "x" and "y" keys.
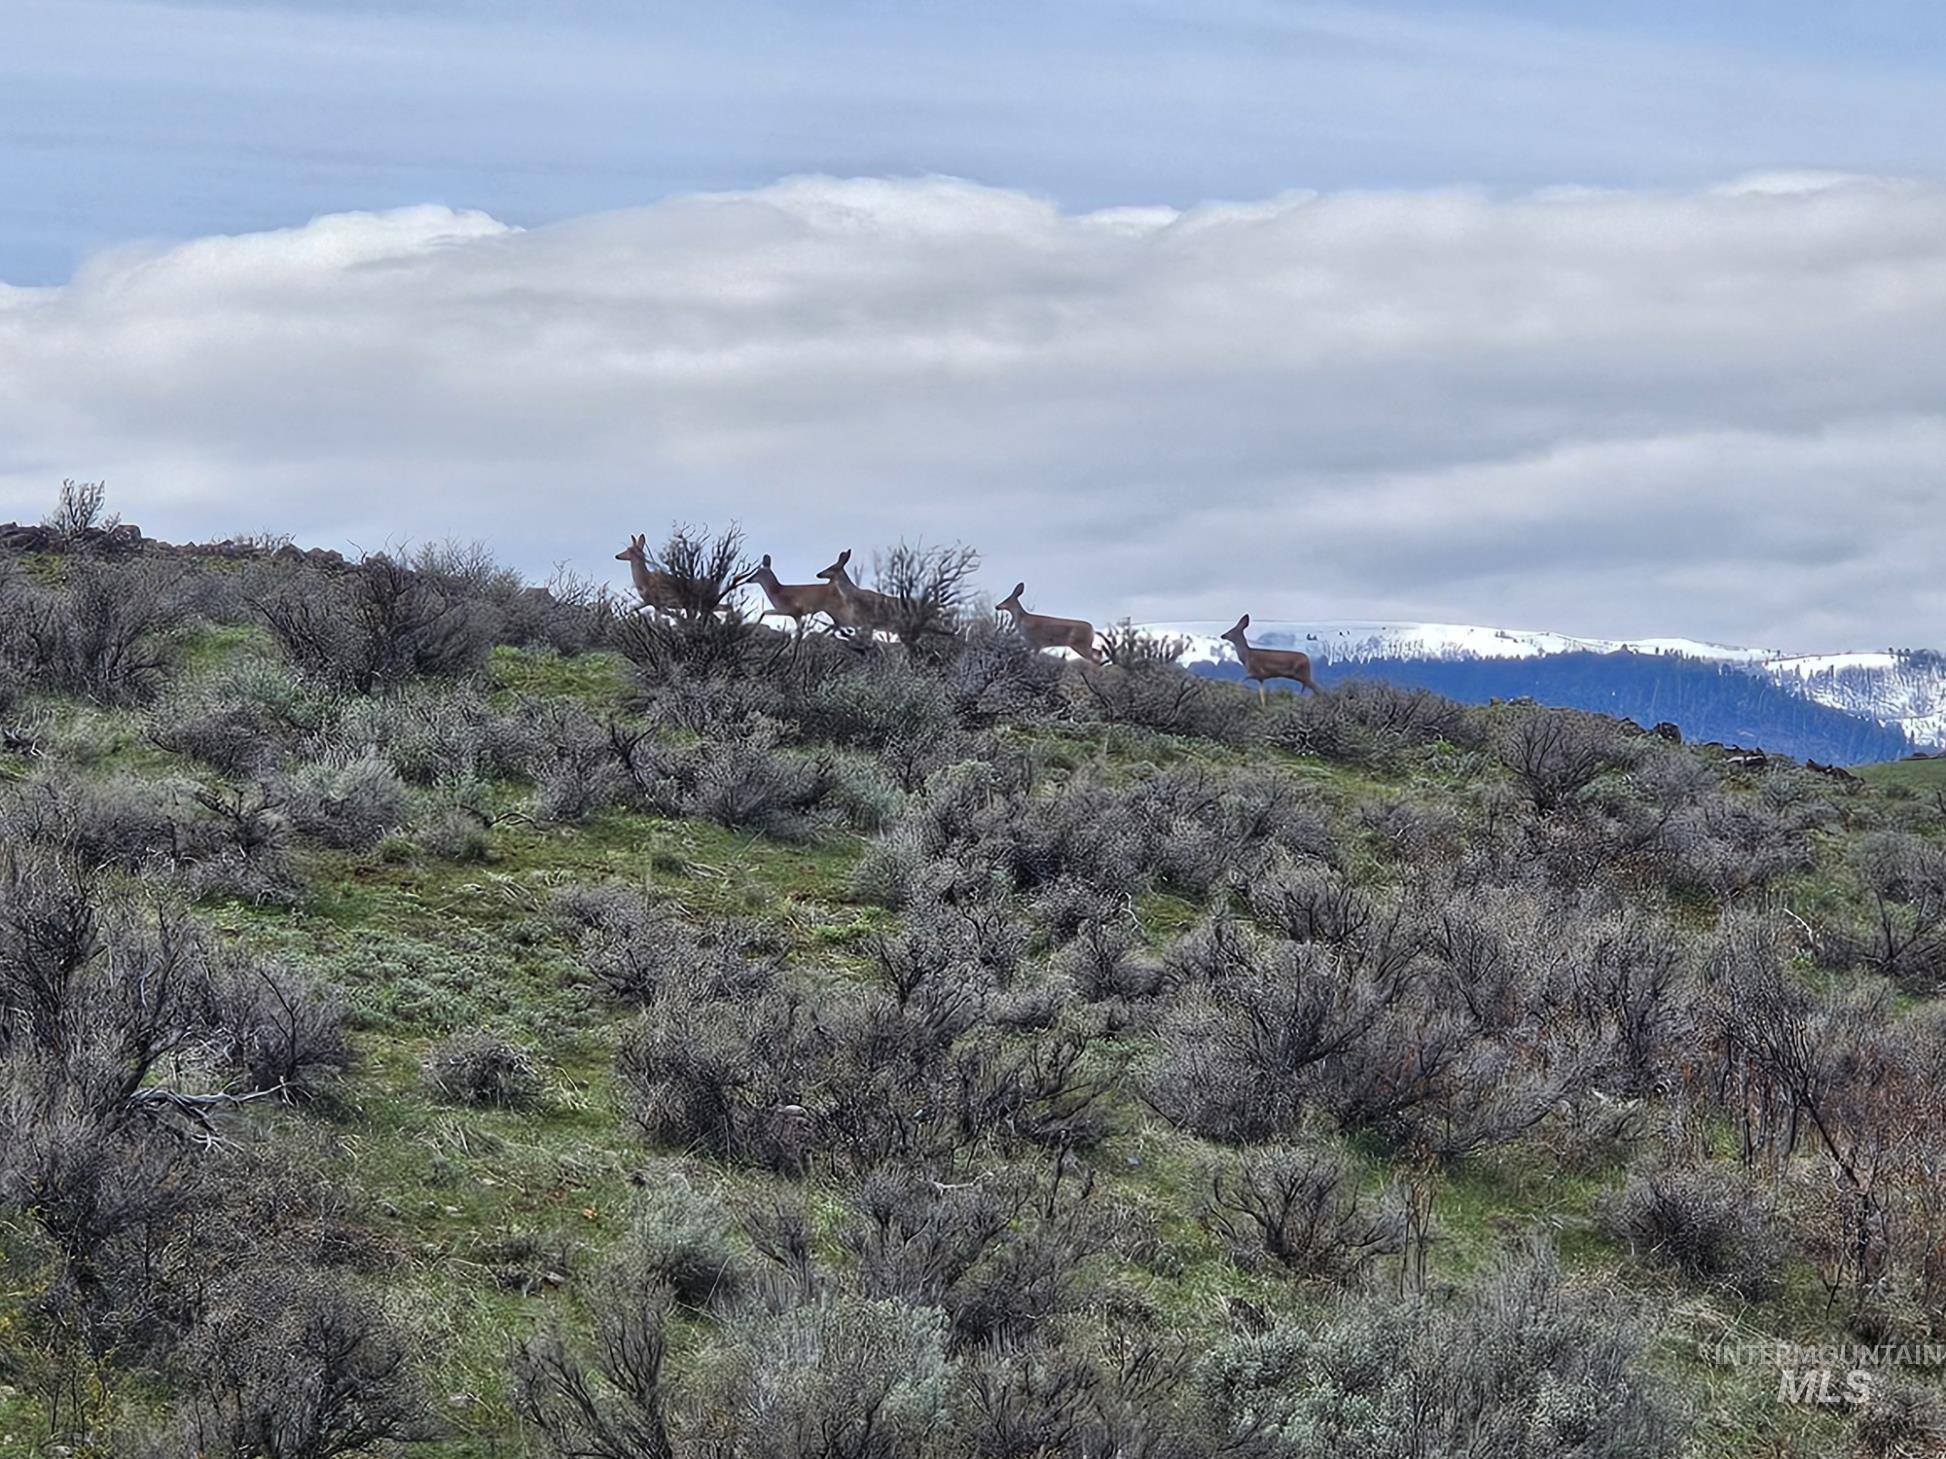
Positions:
{"x": 1621, "y": 326}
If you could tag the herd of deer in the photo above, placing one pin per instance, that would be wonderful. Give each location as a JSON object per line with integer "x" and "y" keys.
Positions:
{"x": 861, "y": 610}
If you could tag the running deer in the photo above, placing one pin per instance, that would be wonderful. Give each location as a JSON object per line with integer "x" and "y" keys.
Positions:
{"x": 1044, "y": 631}
{"x": 1270, "y": 663}
{"x": 796, "y": 601}
{"x": 655, "y": 590}
{"x": 856, "y": 608}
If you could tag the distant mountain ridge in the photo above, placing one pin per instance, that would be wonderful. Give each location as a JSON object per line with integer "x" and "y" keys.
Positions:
{"x": 1849, "y": 707}
{"x": 1359, "y": 640}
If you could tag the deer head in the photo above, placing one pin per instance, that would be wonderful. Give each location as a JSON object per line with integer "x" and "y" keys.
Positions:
{"x": 1011, "y": 603}
{"x": 837, "y": 571}
{"x": 1235, "y": 635}
{"x": 637, "y": 550}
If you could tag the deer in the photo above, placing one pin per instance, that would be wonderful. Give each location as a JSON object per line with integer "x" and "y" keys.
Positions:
{"x": 856, "y": 608}
{"x": 1041, "y": 630}
{"x": 1263, "y": 664}
{"x": 657, "y": 593}
{"x": 796, "y": 601}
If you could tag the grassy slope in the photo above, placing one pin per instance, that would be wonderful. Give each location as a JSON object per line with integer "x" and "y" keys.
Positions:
{"x": 1923, "y": 776}
{"x": 484, "y": 1213}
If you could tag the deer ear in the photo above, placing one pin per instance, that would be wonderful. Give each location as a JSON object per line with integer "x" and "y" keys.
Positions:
{"x": 766, "y": 559}
{"x": 1019, "y": 588}
{"x": 1244, "y": 621}
{"x": 844, "y": 557}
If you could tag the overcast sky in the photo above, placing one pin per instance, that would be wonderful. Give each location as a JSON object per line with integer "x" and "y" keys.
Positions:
{"x": 1175, "y": 310}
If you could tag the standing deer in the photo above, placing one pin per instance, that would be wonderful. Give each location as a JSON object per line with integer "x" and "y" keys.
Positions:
{"x": 796, "y": 601}
{"x": 655, "y": 590}
{"x": 1041, "y": 630}
{"x": 856, "y": 608}
{"x": 1270, "y": 663}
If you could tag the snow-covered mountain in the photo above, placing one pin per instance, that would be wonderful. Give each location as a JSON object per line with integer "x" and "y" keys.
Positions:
{"x": 1906, "y": 689}
{"x": 1356, "y": 641}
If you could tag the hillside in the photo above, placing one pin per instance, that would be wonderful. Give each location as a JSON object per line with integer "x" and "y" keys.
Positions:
{"x": 1846, "y": 708}
{"x": 1919, "y": 776}
{"x": 446, "y": 1019}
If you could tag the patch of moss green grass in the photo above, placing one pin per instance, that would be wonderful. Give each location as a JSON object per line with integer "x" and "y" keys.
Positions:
{"x": 598, "y": 679}
{"x": 1924, "y": 776}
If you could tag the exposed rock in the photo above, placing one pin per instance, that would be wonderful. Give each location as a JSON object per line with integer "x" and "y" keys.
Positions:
{"x": 128, "y": 540}
{"x": 121, "y": 540}
{"x": 19, "y": 537}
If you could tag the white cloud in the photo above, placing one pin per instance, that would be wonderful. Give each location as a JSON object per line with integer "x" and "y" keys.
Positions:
{"x": 1718, "y": 413}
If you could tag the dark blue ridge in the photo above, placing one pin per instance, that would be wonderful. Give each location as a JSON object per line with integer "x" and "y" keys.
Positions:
{"x": 1708, "y": 701}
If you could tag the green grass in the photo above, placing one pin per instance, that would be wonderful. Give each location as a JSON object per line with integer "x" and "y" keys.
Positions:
{"x": 210, "y": 649}
{"x": 105, "y": 741}
{"x": 599, "y": 680}
{"x": 1924, "y": 776}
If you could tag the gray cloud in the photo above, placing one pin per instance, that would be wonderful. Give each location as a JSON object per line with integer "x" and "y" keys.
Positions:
{"x": 1719, "y": 413}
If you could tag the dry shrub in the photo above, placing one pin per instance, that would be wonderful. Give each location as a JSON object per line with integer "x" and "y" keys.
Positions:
{"x": 480, "y": 1068}
{"x": 349, "y": 805}
{"x": 278, "y": 1029}
{"x": 1710, "y": 1223}
{"x": 1526, "y": 1364}
{"x": 382, "y": 621}
{"x": 293, "y": 1364}
{"x": 1555, "y": 754}
{"x": 102, "y": 633}
{"x": 1301, "y": 1207}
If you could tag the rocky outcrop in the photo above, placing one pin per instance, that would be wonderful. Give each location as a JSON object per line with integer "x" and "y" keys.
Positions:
{"x": 128, "y": 540}
{"x": 122, "y": 540}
